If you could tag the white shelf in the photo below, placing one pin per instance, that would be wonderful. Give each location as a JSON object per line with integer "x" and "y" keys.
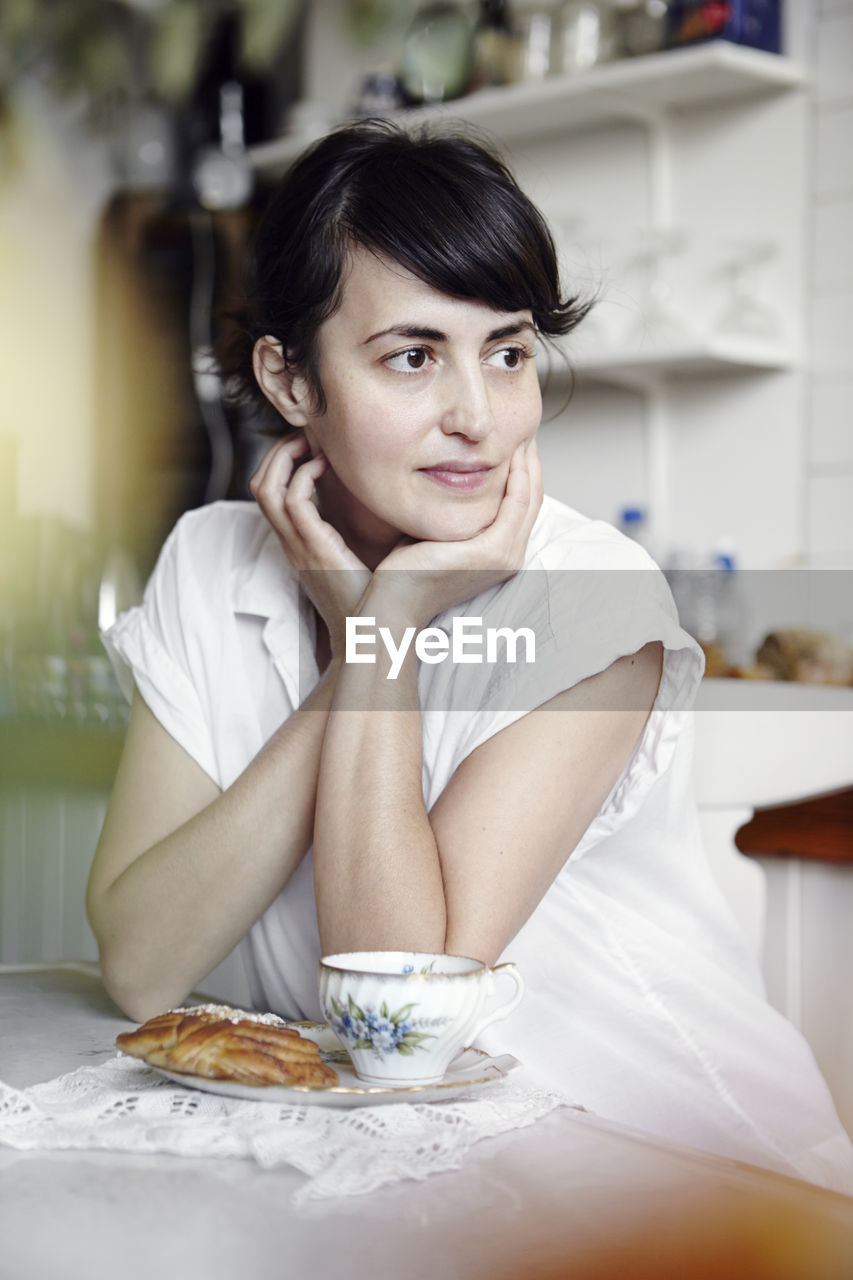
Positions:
{"x": 640, "y": 366}
{"x": 632, "y": 88}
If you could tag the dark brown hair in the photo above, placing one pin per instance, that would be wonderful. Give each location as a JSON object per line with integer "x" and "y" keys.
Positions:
{"x": 442, "y": 205}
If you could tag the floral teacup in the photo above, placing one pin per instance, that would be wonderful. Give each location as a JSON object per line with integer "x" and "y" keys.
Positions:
{"x": 403, "y": 1016}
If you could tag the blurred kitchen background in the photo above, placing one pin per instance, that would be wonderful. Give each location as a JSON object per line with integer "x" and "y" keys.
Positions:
{"x": 696, "y": 163}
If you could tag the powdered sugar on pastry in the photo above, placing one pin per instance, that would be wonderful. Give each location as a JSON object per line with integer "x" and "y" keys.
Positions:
{"x": 225, "y": 1011}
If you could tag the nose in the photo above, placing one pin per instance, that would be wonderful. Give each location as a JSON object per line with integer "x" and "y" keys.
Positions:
{"x": 466, "y": 408}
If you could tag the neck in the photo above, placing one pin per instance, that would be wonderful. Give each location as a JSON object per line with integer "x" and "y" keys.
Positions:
{"x": 369, "y": 537}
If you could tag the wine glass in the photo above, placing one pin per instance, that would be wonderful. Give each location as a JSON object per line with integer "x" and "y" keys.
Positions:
{"x": 746, "y": 312}
{"x": 661, "y": 321}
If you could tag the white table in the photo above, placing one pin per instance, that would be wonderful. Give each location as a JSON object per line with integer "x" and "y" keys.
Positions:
{"x": 571, "y": 1194}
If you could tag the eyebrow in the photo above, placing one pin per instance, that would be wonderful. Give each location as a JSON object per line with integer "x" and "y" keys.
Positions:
{"x": 435, "y": 335}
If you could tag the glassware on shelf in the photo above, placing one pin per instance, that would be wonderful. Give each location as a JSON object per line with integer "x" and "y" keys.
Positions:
{"x": 55, "y": 668}
{"x": 535, "y": 31}
{"x": 587, "y": 36}
{"x": 438, "y": 54}
{"x": 584, "y": 253}
{"x": 661, "y": 321}
{"x": 642, "y": 26}
{"x": 709, "y": 595}
{"x": 746, "y": 313}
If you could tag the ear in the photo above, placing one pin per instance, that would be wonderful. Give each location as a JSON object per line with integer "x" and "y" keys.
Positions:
{"x": 287, "y": 391}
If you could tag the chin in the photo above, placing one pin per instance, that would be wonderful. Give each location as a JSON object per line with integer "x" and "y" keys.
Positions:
{"x": 457, "y": 526}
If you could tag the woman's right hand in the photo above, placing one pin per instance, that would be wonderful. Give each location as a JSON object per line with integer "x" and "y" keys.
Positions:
{"x": 333, "y": 576}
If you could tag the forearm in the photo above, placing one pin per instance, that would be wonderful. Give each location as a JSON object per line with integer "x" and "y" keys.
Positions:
{"x": 181, "y": 906}
{"x": 377, "y": 871}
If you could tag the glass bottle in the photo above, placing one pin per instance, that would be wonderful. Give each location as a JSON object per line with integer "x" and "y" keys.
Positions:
{"x": 633, "y": 523}
{"x": 642, "y": 26}
{"x": 537, "y": 28}
{"x": 496, "y": 45}
{"x": 587, "y": 36}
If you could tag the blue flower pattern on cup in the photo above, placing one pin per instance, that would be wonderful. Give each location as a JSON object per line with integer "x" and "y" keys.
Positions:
{"x": 382, "y": 1031}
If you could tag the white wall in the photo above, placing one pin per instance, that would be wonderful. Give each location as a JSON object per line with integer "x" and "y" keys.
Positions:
{"x": 829, "y": 409}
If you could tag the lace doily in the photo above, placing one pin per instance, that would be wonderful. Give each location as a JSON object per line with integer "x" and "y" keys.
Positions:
{"x": 122, "y": 1105}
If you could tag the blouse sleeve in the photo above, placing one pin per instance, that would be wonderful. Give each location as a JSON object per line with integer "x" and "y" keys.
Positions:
{"x": 588, "y": 604}
{"x": 152, "y": 646}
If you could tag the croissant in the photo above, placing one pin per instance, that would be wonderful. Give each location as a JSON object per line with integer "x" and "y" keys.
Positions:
{"x": 221, "y": 1043}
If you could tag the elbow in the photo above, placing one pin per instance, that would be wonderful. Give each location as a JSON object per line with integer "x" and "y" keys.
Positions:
{"x": 124, "y": 968}
{"x": 139, "y": 995}
{"x": 133, "y": 1001}
{"x": 127, "y": 989}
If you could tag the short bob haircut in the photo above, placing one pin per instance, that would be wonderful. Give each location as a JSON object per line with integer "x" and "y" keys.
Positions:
{"x": 442, "y": 205}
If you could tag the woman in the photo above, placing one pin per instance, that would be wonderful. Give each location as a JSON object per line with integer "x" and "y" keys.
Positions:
{"x": 280, "y": 790}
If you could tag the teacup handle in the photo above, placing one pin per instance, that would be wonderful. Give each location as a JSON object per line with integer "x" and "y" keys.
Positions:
{"x": 503, "y": 1010}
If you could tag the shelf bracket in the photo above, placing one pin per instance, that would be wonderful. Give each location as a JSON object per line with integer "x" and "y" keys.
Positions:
{"x": 657, "y": 122}
{"x": 652, "y": 388}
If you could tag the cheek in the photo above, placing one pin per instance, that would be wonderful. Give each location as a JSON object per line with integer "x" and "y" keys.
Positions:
{"x": 366, "y": 446}
{"x": 364, "y": 455}
{"x": 518, "y": 410}
{"x": 367, "y": 430}
{"x": 527, "y": 412}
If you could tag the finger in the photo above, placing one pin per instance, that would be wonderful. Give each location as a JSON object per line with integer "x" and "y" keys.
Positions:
{"x": 270, "y": 491}
{"x": 293, "y": 445}
{"x": 537, "y": 491}
{"x": 322, "y": 545}
{"x": 307, "y": 522}
{"x": 284, "y": 451}
{"x": 535, "y": 494}
{"x": 299, "y": 503}
{"x": 534, "y": 466}
{"x": 261, "y": 470}
{"x": 509, "y": 532}
{"x": 305, "y": 476}
{"x": 298, "y": 500}
{"x": 277, "y": 477}
{"x": 516, "y": 499}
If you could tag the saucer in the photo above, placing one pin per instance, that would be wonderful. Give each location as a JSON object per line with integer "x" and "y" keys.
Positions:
{"x": 471, "y": 1069}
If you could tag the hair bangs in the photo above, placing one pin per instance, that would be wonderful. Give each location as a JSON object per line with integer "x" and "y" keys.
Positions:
{"x": 464, "y": 230}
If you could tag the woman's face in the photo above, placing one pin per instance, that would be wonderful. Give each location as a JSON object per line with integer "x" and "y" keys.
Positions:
{"x": 427, "y": 397}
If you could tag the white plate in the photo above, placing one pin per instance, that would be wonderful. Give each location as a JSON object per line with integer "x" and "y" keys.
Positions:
{"x": 471, "y": 1069}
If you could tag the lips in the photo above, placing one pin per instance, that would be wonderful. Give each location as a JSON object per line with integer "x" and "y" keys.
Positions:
{"x": 462, "y": 476}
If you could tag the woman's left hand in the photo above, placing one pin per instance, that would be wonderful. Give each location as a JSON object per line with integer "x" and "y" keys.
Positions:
{"x": 426, "y": 578}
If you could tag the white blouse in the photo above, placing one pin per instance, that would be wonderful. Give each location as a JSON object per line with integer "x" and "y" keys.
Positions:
{"x": 643, "y": 1002}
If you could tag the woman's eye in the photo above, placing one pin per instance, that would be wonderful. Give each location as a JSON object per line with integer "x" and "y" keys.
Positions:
{"x": 409, "y": 361}
{"x": 509, "y": 357}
